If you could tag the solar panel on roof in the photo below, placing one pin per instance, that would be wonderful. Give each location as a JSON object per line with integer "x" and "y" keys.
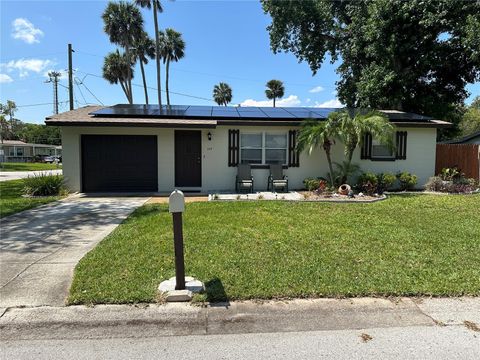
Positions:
{"x": 253, "y": 115}
{"x": 229, "y": 112}
{"x": 193, "y": 111}
{"x": 225, "y": 113}
{"x": 247, "y": 109}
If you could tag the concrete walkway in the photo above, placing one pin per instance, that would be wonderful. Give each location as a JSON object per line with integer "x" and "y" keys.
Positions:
{"x": 15, "y": 175}
{"x": 39, "y": 248}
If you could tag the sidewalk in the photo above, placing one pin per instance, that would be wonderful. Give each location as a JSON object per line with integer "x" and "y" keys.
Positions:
{"x": 140, "y": 321}
{"x": 16, "y": 175}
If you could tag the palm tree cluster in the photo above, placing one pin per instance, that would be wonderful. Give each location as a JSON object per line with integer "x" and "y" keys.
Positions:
{"x": 350, "y": 128}
{"x": 123, "y": 23}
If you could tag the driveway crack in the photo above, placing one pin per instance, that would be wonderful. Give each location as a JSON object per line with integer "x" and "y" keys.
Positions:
{"x": 33, "y": 263}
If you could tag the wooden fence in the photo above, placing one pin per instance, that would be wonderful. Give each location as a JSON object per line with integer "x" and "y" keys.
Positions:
{"x": 465, "y": 157}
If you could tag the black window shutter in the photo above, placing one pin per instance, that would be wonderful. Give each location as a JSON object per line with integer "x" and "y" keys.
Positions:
{"x": 401, "y": 145}
{"x": 366, "y": 150}
{"x": 293, "y": 154}
{"x": 233, "y": 147}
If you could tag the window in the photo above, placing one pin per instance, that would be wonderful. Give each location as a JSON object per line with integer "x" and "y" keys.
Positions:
{"x": 19, "y": 151}
{"x": 275, "y": 148}
{"x": 251, "y": 148}
{"x": 263, "y": 148}
{"x": 381, "y": 151}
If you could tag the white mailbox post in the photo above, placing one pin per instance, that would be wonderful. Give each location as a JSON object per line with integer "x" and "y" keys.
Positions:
{"x": 176, "y": 206}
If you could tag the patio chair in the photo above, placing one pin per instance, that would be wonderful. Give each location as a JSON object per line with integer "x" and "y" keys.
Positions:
{"x": 244, "y": 180}
{"x": 276, "y": 179}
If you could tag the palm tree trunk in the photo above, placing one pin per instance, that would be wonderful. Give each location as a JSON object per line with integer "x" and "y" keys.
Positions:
{"x": 124, "y": 90}
{"x": 157, "y": 55}
{"x": 144, "y": 81}
{"x": 167, "y": 70}
{"x": 330, "y": 166}
{"x": 273, "y": 102}
{"x": 129, "y": 74}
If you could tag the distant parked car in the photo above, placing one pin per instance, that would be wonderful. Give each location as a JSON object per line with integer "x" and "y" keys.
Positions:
{"x": 49, "y": 159}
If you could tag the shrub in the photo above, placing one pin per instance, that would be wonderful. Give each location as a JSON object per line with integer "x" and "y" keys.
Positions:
{"x": 367, "y": 183}
{"x": 435, "y": 183}
{"x": 314, "y": 184}
{"x": 44, "y": 185}
{"x": 407, "y": 180}
{"x": 311, "y": 184}
{"x": 460, "y": 186}
{"x": 385, "y": 182}
{"x": 451, "y": 174}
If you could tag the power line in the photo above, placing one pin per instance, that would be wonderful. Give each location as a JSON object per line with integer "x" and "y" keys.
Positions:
{"x": 80, "y": 90}
{"x": 152, "y": 88}
{"x": 41, "y": 104}
{"x": 82, "y": 82}
{"x": 218, "y": 75}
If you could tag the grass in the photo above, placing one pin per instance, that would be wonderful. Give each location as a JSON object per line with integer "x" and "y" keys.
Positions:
{"x": 406, "y": 245}
{"x": 11, "y": 200}
{"x": 28, "y": 167}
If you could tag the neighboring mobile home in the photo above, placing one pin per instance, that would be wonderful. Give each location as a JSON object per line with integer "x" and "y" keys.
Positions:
{"x": 19, "y": 151}
{"x": 139, "y": 148}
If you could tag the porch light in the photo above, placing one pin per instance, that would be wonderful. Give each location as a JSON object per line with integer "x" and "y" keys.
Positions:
{"x": 209, "y": 135}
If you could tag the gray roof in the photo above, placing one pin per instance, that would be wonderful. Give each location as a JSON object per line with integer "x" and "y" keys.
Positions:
{"x": 463, "y": 139}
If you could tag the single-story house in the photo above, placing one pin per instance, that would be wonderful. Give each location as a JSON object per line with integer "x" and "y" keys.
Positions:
{"x": 19, "y": 151}
{"x": 142, "y": 148}
{"x": 468, "y": 139}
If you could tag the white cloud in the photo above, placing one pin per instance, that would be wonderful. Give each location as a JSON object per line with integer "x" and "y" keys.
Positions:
{"x": 334, "y": 103}
{"x": 25, "y": 66}
{"x": 4, "y": 78}
{"x": 316, "y": 89}
{"x": 24, "y": 30}
{"x": 291, "y": 100}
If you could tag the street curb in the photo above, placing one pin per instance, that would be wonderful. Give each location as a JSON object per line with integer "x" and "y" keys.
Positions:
{"x": 106, "y": 321}
{"x": 148, "y": 320}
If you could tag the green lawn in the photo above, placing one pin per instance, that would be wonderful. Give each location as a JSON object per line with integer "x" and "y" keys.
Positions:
{"x": 28, "y": 167}
{"x": 405, "y": 245}
{"x": 11, "y": 200}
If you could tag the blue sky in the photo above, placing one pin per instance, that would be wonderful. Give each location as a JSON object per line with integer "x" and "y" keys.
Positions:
{"x": 225, "y": 41}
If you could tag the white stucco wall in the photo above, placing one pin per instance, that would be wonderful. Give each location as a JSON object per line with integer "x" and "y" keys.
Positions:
{"x": 217, "y": 176}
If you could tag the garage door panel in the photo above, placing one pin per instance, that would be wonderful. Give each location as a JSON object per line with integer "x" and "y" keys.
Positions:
{"x": 119, "y": 163}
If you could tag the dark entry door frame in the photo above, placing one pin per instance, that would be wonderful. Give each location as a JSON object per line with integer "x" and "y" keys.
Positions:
{"x": 188, "y": 158}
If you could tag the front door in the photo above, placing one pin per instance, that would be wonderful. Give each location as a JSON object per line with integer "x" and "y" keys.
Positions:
{"x": 188, "y": 158}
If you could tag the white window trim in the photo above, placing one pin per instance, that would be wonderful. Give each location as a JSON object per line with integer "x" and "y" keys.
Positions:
{"x": 264, "y": 148}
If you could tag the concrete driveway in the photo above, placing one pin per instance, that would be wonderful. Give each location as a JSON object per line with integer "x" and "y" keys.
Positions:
{"x": 15, "y": 175}
{"x": 39, "y": 248}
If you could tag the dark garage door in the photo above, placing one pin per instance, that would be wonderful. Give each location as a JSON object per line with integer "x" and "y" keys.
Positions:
{"x": 119, "y": 163}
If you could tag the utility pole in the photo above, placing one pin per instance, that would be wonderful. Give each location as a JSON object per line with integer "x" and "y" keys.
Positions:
{"x": 53, "y": 78}
{"x": 70, "y": 76}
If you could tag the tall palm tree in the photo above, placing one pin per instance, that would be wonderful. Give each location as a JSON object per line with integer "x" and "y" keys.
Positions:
{"x": 316, "y": 133}
{"x": 157, "y": 8}
{"x": 275, "y": 90}
{"x": 123, "y": 23}
{"x": 222, "y": 93}
{"x": 117, "y": 70}
{"x": 144, "y": 49}
{"x": 354, "y": 125}
{"x": 172, "y": 48}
